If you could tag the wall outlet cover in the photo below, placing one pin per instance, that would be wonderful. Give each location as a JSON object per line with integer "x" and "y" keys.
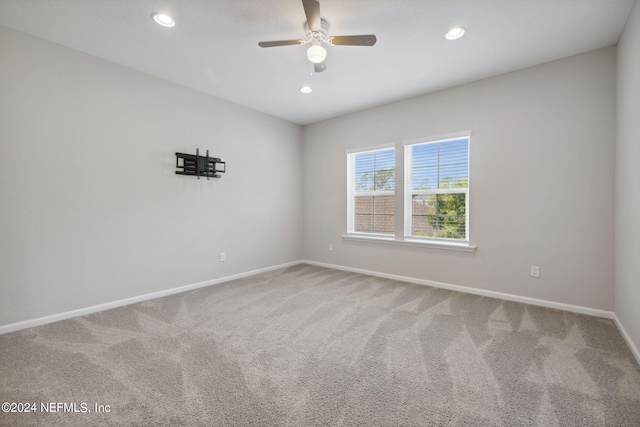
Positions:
{"x": 535, "y": 271}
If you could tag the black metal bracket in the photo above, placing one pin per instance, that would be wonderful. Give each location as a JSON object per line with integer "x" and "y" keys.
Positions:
{"x": 197, "y": 165}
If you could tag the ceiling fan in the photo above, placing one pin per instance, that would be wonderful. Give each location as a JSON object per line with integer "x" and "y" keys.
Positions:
{"x": 317, "y": 32}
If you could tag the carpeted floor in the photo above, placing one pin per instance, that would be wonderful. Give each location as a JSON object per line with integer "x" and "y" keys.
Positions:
{"x": 309, "y": 346}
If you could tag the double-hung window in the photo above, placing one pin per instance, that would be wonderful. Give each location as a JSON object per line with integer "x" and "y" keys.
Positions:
{"x": 432, "y": 193}
{"x": 371, "y": 191}
{"x": 436, "y": 196}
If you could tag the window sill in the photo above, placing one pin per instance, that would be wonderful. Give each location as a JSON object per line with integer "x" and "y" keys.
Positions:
{"x": 464, "y": 247}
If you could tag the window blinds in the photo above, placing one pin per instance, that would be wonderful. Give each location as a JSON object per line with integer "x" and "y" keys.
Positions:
{"x": 371, "y": 191}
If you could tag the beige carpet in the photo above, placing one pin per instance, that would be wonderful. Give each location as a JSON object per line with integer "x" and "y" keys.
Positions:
{"x": 309, "y": 346}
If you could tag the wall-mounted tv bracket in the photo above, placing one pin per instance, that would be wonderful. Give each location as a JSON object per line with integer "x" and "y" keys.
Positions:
{"x": 199, "y": 166}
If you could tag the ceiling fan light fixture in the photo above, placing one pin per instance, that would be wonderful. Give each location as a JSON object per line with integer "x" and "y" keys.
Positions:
{"x": 316, "y": 54}
{"x": 164, "y": 20}
{"x": 306, "y": 89}
{"x": 454, "y": 33}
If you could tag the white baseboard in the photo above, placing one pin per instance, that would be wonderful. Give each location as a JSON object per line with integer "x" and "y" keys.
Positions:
{"x": 475, "y": 291}
{"x": 5, "y": 329}
{"x": 627, "y": 338}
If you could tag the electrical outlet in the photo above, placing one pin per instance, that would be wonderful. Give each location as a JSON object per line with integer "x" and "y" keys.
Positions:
{"x": 222, "y": 257}
{"x": 535, "y": 271}
{"x": 330, "y": 246}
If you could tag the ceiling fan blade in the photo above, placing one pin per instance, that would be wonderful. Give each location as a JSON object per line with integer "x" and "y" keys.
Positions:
{"x": 312, "y": 11}
{"x": 279, "y": 43}
{"x": 318, "y": 68}
{"x": 365, "y": 40}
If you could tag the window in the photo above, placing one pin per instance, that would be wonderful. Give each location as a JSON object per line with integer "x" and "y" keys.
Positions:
{"x": 432, "y": 197}
{"x": 436, "y": 197}
{"x": 371, "y": 191}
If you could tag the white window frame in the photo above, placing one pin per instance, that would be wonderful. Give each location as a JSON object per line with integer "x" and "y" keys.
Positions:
{"x": 352, "y": 192}
{"x": 409, "y": 192}
{"x": 403, "y": 219}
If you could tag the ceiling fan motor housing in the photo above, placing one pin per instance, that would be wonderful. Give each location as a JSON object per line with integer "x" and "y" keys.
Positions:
{"x": 321, "y": 36}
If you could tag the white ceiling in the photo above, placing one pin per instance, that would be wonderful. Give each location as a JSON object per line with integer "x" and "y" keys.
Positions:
{"x": 214, "y": 46}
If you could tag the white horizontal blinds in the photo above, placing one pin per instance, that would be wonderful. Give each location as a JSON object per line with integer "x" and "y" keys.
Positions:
{"x": 371, "y": 191}
{"x": 436, "y": 197}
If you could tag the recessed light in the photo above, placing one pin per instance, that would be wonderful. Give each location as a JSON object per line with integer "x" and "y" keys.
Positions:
{"x": 454, "y": 33}
{"x": 306, "y": 89}
{"x": 164, "y": 20}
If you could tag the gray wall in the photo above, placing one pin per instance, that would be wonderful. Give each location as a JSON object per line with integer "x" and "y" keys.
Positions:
{"x": 541, "y": 180}
{"x": 90, "y": 208}
{"x": 627, "y": 189}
